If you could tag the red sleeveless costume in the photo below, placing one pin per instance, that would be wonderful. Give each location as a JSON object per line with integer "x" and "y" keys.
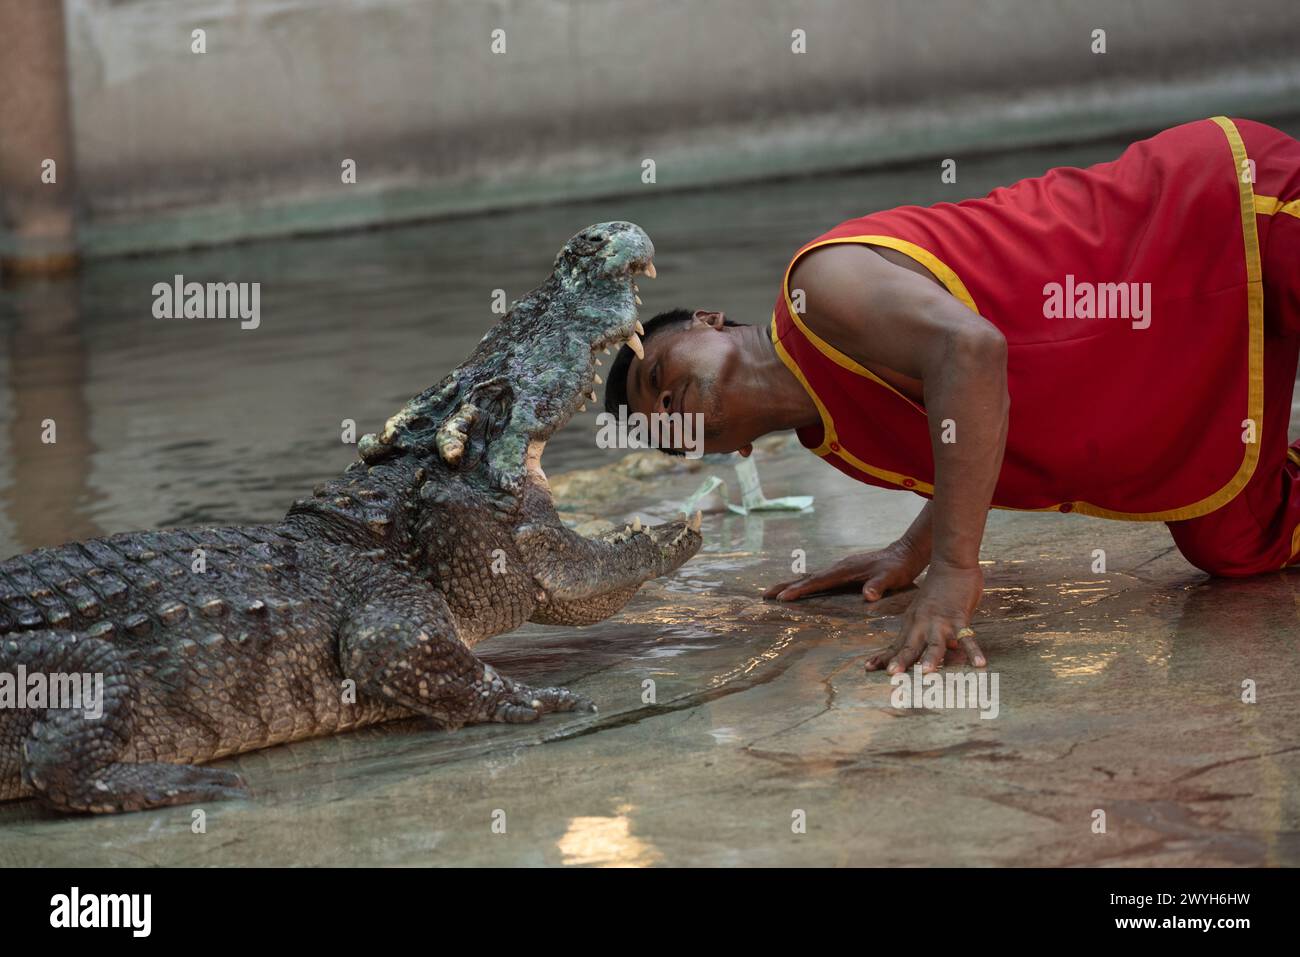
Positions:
{"x": 1151, "y": 307}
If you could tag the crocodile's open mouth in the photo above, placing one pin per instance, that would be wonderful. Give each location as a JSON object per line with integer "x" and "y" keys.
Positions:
{"x": 612, "y": 309}
{"x": 626, "y": 329}
{"x": 534, "y": 370}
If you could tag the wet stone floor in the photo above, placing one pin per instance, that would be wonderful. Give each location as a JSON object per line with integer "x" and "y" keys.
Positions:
{"x": 767, "y": 742}
{"x": 1118, "y": 691}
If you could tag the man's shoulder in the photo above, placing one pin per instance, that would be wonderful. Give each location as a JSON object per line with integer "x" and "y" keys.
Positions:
{"x": 835, "y": 264}
{"x": 830, "y": 273}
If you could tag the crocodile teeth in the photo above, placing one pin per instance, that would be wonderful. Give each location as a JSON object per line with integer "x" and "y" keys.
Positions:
{"x": 638, "y": 327}
{"x": 634, "y": 343}
{"x": 582, "y": 408}
{"x": 638, "y": 302}
{"x": 592, "y": 395}
{"x": 697, "y": 520}
{"x": 597, "y": 379}
{"x": 650, "y": 270}
{"x": 607, "y": 350}
{"x": 636, "y": 524}
{"x": 598, "y": 362}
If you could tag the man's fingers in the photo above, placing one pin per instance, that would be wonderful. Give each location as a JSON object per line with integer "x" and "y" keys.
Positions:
{"x": 927, "y": 646}
{"x": 973, "y": 653}
{"x": 808, "y": 585}
{"x": 778, "y": 588}
{"x": 796, "y": 590}
{"x": 788, "y": 591}
{"x": 908, "y": 653}
{"x": 933, "y": 657}
{"x": 875, "y": 588}
{"x": 879, "y": 659}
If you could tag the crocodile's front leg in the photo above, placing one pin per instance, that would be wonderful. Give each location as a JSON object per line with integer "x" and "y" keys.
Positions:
{"x": 401, "y": 644}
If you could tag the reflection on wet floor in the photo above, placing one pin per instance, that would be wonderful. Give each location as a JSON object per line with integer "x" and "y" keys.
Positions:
{"x": 49, "y": 499}
{"x": 606, "y": 842}
{"x": 721, "y": 715}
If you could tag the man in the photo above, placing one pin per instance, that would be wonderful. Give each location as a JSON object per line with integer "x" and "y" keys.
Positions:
{"x": 1119, "y": 341}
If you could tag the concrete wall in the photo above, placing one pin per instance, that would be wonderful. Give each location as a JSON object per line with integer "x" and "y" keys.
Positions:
{"x": 247, "y": 139}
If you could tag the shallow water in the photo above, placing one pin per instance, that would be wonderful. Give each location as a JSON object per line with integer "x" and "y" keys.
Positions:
{"x": 180, "y": 422}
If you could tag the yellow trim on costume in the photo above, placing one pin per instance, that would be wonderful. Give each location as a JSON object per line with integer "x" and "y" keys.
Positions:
{"x": 1250, "y": 205}
{"x": 1268, "y": 205}
{"x": 1294, "y": 456}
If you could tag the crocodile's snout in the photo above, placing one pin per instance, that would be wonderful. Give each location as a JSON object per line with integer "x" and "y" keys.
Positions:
{"x": 616, "y": 249}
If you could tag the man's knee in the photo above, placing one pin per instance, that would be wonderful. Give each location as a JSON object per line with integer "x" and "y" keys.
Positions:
{"x": 1216, "y": 545}
{"x": 1217, "y": 552}
{"x": 1221, "y": 566}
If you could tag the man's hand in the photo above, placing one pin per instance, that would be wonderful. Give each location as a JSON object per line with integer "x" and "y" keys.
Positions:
{"x": 934, "y": 622}
{"x": 880, "y": 572}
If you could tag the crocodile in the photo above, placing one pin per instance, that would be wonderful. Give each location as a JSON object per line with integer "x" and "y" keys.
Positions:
{"x": 362, "y": 605}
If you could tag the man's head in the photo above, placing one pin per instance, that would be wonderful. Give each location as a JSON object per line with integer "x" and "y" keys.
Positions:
{"x": 691, "y": 361}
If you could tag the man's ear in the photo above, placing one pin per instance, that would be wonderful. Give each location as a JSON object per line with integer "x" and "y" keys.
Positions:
{"x": 703, "y": 317}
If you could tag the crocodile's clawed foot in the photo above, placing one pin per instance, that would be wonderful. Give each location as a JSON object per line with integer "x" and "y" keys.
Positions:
{"x": 187, "y": 784}
{"x": 138, "y": 787}
{"x": 523, "y": 704}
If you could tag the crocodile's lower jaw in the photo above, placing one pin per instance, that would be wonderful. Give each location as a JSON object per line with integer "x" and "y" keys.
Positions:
{"x": 534, "y": 473}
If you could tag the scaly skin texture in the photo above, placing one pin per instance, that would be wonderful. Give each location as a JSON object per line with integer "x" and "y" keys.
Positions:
{"x": 364, "y": 603}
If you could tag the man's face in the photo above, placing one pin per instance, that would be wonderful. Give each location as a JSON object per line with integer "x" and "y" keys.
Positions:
{"x": 686, "y": 369}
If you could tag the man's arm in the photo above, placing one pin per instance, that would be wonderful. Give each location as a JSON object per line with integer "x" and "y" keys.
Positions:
{"x": 911, "y": 332}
